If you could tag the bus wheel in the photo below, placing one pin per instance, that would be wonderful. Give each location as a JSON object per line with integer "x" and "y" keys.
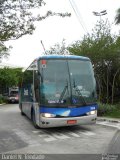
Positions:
{"x": 34, "y": 120}
{"x": 22, "y": 113}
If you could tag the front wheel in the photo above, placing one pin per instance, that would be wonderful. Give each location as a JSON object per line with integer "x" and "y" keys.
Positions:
{"x": 22, "y": 113}
{"x": 34, "y": 120}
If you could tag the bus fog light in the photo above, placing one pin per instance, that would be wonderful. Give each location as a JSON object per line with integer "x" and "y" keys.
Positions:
{"x": 47, "y": 115}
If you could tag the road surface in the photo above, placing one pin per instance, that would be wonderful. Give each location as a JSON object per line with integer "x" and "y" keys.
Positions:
{"x": 18, "y": 135}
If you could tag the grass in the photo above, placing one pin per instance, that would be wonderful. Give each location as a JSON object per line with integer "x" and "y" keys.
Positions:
{"x": 107, "y": 110}
{"x": 114, "y": 114}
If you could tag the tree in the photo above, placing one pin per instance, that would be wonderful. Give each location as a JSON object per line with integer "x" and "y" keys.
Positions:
{"x": 17, "y": 19}
{"x": 9, "y": 77}
{"x": 103, "y": 49}
{"x": 4, "y": 51}
{"x": 117, "y": 17}
{"x": 58, "y": 48}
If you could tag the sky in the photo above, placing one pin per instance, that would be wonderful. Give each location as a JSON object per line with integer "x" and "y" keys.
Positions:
{"x": 54, "y": 29}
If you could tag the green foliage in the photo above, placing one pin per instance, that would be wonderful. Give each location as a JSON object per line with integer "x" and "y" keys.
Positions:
{"x": 4, "y": 51}
{"x": 103, "y": 49}
{"x": 9, "y": 77}
{"x": 2, "y": 99}
{"x": 58, "y": 48}
{"x": 105, "y": 109}
{"x": 18, "y": 17}
{"x": 109, "y": 110}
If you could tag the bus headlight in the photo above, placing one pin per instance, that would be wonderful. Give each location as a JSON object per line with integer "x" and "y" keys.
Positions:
{"x": 92, "y": 112}
{"x": 48, "y": 115}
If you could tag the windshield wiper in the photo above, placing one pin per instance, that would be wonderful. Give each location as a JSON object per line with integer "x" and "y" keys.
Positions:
{"x": 63, "y": 92}
{"x": 79, "y": 93}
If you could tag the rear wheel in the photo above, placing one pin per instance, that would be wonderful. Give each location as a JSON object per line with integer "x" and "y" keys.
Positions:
{"x": 34, "y": 120}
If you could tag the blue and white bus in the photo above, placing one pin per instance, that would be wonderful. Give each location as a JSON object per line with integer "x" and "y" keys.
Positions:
{"x": 59, "y": 90}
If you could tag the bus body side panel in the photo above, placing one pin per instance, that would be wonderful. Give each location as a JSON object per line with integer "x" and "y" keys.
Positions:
{"x": 27, "y": 99}
{"x": 37, "y": 113}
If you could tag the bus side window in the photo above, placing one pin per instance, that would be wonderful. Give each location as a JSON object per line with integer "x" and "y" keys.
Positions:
{"x": 36, "y": 85}
{"x": 26, "y": 85}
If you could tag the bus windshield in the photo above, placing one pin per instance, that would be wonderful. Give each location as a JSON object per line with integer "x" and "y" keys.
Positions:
{"x": 67, "y": 82}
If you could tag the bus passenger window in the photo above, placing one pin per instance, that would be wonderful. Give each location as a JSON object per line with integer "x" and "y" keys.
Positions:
{"x": 36, "y": 85}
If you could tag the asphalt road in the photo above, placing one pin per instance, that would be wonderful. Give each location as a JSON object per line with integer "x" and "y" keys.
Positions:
{"x": 17, "y": 135}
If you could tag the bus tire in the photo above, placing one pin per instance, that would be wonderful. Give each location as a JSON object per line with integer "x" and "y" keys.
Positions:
{"x": 22, "y": 113}
{"x": 34, "y": 120}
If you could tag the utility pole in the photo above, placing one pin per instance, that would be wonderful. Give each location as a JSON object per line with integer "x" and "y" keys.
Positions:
{"x": 43, "y": 46}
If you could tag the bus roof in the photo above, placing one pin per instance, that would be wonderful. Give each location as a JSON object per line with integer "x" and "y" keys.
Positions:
{"x": 62, "y": 57}
{"x": 55, "y": 56}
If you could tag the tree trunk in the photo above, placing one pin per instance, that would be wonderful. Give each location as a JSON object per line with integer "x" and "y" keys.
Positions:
{"x": 107, "y": 86}
{"x": 114, "y": 84}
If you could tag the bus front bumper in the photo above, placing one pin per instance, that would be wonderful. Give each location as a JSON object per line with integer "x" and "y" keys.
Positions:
{"x": 57, "y": 122}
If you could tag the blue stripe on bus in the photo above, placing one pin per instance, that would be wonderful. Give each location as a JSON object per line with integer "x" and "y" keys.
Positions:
{"x": 68, "y": 111}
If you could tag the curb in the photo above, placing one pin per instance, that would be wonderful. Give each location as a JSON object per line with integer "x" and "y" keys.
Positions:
{"x": 113, "y": 120}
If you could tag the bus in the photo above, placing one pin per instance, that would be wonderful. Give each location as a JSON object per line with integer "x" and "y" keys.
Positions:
{"x": 59, "y": 90}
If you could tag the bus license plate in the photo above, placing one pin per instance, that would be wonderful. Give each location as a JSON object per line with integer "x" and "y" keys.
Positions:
{"x": 71, "y": 121}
